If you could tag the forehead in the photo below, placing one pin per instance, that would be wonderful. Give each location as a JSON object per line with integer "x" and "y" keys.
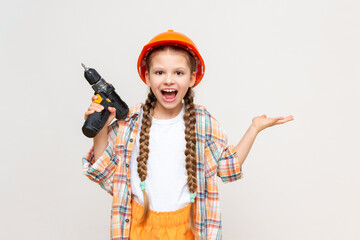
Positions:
{"x": 169, "y": 58}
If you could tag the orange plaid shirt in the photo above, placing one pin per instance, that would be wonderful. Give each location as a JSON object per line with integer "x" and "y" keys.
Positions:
{"x": 214, "y": 158}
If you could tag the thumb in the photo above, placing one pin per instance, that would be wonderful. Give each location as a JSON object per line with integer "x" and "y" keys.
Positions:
{"x": 112, "y": 110}
{"x": 112, "y": 115}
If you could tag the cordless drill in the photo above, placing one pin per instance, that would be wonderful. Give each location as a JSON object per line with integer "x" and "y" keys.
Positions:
{"x": 107, "y": 97}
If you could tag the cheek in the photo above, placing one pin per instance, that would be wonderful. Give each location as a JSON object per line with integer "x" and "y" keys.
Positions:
{"x": 155, "y": 80}
{"x": 184, "y": 89}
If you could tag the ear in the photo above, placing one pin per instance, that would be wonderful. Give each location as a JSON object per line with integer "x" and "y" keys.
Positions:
{"x": 192, "y": 79}
{"x": 147, "y": 78}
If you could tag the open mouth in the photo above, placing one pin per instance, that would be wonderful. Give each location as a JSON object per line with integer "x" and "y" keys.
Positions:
{"x": 169, "y": 95}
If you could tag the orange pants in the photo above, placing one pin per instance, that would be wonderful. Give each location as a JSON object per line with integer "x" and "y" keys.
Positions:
{"x": 160, "y": 225}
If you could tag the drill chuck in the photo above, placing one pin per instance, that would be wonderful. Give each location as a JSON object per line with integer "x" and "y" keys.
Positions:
{"x": 91, "y": 75}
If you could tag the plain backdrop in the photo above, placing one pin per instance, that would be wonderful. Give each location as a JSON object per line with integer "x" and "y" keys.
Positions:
{"x": 279, "y": 58}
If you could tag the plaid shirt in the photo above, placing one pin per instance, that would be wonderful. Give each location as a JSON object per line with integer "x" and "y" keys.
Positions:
{"x": 214, "y": 158}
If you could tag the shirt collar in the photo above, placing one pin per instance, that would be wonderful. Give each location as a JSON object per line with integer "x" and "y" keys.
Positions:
{"x": 134, "y": 111}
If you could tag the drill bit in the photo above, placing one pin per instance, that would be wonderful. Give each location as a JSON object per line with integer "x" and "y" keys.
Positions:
{"x": 84, "y": 67}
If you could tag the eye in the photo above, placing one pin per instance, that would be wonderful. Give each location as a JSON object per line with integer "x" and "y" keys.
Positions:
{"x": 179, "y": 73}
{"x": 159, "y": 72}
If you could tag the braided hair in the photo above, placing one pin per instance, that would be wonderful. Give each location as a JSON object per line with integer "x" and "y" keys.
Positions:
{"x": 190, "y": 137}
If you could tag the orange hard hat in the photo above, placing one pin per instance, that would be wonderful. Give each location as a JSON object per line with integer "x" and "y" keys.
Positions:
{"x": 171, "y": 38}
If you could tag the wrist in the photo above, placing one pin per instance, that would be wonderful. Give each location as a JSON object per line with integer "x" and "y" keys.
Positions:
{"x": 101, "y": 136}
{"x": 253, "y": 128}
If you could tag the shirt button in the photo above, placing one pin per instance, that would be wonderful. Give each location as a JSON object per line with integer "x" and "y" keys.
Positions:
{"x": 127, "y": 165}
{"x": 127, "y": 220}
{"x": 131, "y": 140}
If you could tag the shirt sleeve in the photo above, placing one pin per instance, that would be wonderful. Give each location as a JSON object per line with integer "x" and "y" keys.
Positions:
{"x": 228, "y": 165}
{"x": 229, "y": 168}
{"x": 102, "y": 170}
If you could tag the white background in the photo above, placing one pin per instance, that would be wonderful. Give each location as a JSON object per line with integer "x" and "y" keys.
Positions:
{"x": 279, "y": 58}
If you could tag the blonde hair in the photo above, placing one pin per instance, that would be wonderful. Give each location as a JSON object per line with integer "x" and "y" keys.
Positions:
{"x": 190, "y": 137}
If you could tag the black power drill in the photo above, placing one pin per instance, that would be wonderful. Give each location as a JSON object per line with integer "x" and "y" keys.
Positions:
{"x": 107, "y": 97}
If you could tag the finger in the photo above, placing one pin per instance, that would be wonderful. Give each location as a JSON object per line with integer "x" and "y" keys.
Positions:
{"x": 97, "y": 105}
{"x": 94, "y": 97}
{"x": 274, "y": 119}
{"x": 281, "y": 121}
{"x": 288, "y": 118}
{"x": 88, "y": 113}
{"x": 98, "y": 109}
{"x": 277, "y": 119}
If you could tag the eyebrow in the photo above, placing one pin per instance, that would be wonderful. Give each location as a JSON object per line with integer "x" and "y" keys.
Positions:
{"x": 161, "y": 68}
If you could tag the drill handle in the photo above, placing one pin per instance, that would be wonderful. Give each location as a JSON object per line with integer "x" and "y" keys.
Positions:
{"x": 96, "y": 121}
{"x": 121, "y": 107}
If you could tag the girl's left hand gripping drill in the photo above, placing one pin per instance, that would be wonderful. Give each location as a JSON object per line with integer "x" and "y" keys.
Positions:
{"x": 106, "y": 97}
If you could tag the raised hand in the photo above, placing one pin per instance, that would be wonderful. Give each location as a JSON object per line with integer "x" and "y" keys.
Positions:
{"x": 262, "y": 122}
{"x": 98, "y": 107}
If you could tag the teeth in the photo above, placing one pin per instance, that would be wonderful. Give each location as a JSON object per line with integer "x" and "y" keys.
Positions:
{"x": 168, "y": 90}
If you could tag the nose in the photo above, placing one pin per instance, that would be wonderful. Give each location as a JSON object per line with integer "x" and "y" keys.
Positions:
{"x": 169, "y": 79}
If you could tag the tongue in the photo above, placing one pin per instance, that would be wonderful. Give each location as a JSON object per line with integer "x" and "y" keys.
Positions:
{"x": 169, "y": 95}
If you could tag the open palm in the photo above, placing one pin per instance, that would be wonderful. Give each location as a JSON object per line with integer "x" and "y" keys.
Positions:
{"x": 262, "y": 122}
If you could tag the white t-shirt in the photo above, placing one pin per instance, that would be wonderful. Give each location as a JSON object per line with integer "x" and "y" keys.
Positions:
{"x": 166, "y": 181}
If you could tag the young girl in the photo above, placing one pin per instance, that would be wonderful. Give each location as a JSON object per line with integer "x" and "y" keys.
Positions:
{"x": 161, "y": 161}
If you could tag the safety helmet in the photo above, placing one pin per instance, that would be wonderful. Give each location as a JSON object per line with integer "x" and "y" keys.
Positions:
{"x": 171, "y": 38}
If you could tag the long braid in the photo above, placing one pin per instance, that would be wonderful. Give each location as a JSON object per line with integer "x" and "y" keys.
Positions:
{"x": 190, "y": 137}
{"x": 190, "y": 153}
{"x": 144, "y": 148}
